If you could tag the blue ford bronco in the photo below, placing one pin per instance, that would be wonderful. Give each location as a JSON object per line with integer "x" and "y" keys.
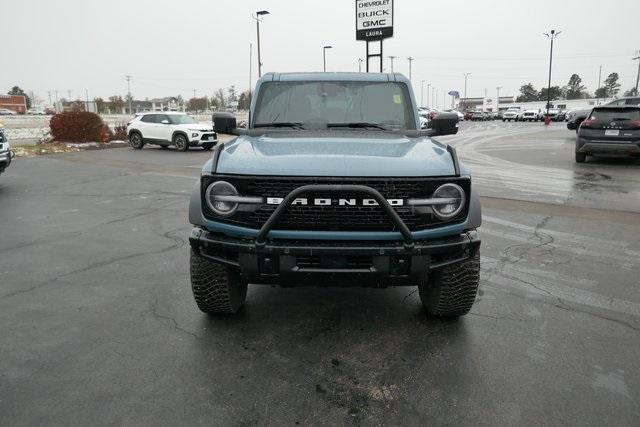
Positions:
{"x": 333, "y": 183}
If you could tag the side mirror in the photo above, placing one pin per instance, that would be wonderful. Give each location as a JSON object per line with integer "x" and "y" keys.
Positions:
{"x": 225, "y": 123}
{"x": 445, "y": 124}
{"x": 165, "y": 122}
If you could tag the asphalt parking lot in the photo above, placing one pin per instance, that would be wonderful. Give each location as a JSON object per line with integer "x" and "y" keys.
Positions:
{"x": 99, "y": 325}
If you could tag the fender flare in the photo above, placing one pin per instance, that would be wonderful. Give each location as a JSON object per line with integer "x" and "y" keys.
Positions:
{"x": 180, "y": 132}
{"x": 195, "y": 206}
{"x": 475, "y": 211}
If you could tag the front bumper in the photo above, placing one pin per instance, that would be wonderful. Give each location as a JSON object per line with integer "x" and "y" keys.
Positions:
{"x": 618, "y": 148}
{"x": 5, "y": 160}
{"x": 353, "y": 263}
{"x": 199, "y": 139}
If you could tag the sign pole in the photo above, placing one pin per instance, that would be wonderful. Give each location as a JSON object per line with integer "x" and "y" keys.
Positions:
{"x": 374, "y": 22}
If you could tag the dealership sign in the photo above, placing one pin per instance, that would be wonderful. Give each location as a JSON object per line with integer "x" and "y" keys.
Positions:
{"x": 374, "y": 19}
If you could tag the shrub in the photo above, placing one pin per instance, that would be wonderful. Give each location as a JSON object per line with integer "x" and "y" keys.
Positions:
{"x": 119, "y": 132}
{"x": 79, "y": 126}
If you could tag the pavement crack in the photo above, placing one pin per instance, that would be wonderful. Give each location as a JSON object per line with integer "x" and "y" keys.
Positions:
{"x": 177, "y": 243}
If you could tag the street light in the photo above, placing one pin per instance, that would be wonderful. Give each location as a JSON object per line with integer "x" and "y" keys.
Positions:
{"x": 498, "y": 98}
{"x": 428, "y": 89}
{"x": 465, "y": 85}
{"x": 324, "y": 57}
{"x": 258, "y": 19}
{"x": 552, "y": 36}
{"x": 422, "y": 94}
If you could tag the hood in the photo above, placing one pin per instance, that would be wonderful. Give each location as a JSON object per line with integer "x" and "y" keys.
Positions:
{"x": 335, "y": 153}
{"x": 197, "y": 126}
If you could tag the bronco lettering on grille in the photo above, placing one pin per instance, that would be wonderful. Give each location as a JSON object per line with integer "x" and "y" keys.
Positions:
{"x": 302, "y": 201}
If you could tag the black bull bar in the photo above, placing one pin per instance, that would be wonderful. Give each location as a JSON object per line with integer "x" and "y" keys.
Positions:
{"x": 335, "y": 188}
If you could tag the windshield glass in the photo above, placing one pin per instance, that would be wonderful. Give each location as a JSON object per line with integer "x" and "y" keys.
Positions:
{"x": 385, "y": 104}
{"x": 615, "y": 114}
{"x": 181, "y": 119}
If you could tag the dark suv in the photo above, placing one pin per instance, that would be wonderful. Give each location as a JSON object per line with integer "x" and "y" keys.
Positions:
{"x": 609, "y": 130}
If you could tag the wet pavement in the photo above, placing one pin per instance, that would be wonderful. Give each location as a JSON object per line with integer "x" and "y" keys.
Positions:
{"x": 99, "y": 325}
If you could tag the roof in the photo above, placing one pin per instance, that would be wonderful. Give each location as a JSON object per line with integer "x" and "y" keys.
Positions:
{"x": 350, "y": 77}
{"x": 171, "y": 113}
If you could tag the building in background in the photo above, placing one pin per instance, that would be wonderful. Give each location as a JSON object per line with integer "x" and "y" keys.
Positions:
{"x": 17, "y": 103}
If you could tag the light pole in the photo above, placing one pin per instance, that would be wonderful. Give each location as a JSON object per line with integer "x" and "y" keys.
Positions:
{"x": 410, "y": 59}
{"x": 258, "y": 19}
{"x": 465, "y": 85}
{"x": 391, "y": 57}
{"x": 360, "y": 60}
{"x": 428, "y": 90}
{"x": 498, "y": 98}
{"x": 128, "y": 77}
{"x": 324, "y": 57}
{"x": 422, "y": 94}
{"x": 637, "y": 58}
{"x": 552, "y": 36}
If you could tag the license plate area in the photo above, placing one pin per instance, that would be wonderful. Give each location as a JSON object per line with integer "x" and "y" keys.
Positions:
{"x": 612, "y": 132}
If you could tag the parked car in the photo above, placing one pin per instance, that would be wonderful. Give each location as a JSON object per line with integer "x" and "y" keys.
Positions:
{"x": 468, "y": 114}
{"x": 575, "y": 117}
{"x": 458, "y": 113}
{"x": 512, "y": 113}
{"x": 478, "y": 116}
{"x": 498, "y": 115}
{"x": 297, "y": 199}
{"x": 553, "y": 114}
{"x": 530, "y": 116}
{"x": 609, "y": 130}
{"x": 5, "y": 152}
{"x": 488, "y": 115}
{"x": 36, "y": 112}
{"x": 170, "y": 128}
{"x": 7, "y": 112}
{"x": 561, "y": 116}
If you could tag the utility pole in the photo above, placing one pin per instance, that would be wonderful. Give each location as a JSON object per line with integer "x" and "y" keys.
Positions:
{"x": 598, "y": 90}
{"x": 250, "y": 68}
{"x": 360, "y": 60}
{"x": 465, "y": 85}
{"x": 128, "y": 77}
{"x": 498, "y": 98}
{"x": 258, "y": 19}
{"x": 428, "y": 91}
{"x": 552, "y": 37}
{"x": 324, "y": 57}
{"x": 637, "y": 58}
{"x": 410, "y": 61}
{"x": 391, "y": 57}
{"x": 422, "y": 94}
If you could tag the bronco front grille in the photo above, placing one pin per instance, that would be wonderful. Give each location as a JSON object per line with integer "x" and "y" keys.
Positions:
{"x": 334, "y": 217}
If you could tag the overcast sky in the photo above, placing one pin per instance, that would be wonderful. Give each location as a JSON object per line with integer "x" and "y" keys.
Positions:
{"x": 172, "y": 47}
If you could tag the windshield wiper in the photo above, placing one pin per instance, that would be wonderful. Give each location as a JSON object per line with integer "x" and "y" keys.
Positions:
{"x": 295, "y": 125}
{"x": 356, "y": 125}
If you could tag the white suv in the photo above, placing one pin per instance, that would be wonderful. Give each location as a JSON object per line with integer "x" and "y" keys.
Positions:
{"x": 170, "y": 128}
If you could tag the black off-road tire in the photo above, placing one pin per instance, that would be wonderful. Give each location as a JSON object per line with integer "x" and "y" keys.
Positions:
{"x": 216, "y": 288}
{"x": 451, "y": 290}
{"x": 181, "y": 142}
{"x": 581, "y": 157}
{"x": 136, "y": 141}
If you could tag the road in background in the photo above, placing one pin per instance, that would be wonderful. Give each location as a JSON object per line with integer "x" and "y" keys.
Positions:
{"x": 99, "y": 323}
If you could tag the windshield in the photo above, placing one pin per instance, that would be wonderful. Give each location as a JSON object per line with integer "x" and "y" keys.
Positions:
{"x": 308, "y": 104}
{"x": 181, "y": 119}
{"x": 615, "y": 114}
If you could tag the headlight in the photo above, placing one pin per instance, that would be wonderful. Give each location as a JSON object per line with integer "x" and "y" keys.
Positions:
{"x": 220, "y": 197}
{"x": 451, "y": 200}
